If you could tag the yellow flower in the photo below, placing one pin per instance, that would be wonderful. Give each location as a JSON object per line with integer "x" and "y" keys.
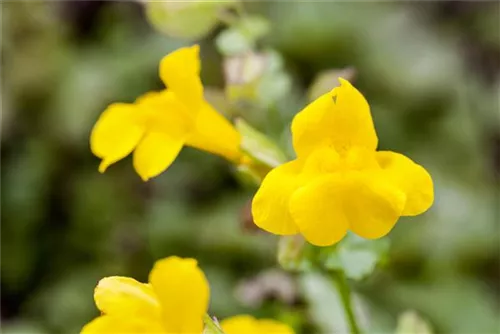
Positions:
{"x": 245, "y": 324}
{"x": 339, "y": 182}
{"x": 159, "y": 124}
{"x": 174, "y": 301}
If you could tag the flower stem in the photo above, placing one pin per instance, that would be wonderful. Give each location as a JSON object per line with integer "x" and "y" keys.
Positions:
{"x": 345, "y": 294}
{"x": 210, "y": 326}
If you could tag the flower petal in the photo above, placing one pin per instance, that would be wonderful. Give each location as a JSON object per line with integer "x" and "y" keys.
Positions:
{"x": 163, "y": 112}
{"x": 240, "y": 324}
{"x": 322, "y": 160}
{"x": 155, "y": 153}
{"x": 318, "y": 212}
{"x": 245, "y": 324}
{"x": 120, "y": 325}
{"x": 340, "y": 118}
{"x": 215, "y": 134}
{"x": 270, "y": 203}
{"x": 273, "y": 327}
{"x": 116, "y": 133}
{"x": 180, "y": 71}
{"x": 411, "y": 178}
{"x": 183, "y": 292}
{"x": 117, "y": 295}
{"x": 371, "y": 204}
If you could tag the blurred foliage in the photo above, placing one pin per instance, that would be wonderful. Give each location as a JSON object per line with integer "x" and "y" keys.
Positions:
{"x": 242, "y": 36}
{"x": 188, "y": 20}
{"x": 324, "y": 304}
{"x": 355, "y": 256}
{"x": 429, "y": 70}
{"x": 258, "y": 146}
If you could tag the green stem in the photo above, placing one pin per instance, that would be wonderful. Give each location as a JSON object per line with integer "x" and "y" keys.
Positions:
{"x": 345, "y": 294}
{"x": 210, "y": 326}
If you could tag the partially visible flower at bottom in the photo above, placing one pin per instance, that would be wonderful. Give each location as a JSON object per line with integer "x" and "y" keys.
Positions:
{"x": 246, "y": 324}
{"x": 174, "y": 301}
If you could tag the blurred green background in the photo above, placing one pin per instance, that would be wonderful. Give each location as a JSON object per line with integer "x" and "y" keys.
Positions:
{"x": 429, "y": 70}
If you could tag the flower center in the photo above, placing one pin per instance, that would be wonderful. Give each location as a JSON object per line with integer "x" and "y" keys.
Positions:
{"x": 327, "y": 160}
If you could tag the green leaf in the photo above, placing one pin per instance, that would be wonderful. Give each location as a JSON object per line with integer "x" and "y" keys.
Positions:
{"x": 243, "y": 36}
{"x": 411, "y": 323}
{"x": 355, "y": 256}
{"x": 274, "y": 86}
{"x": 259, "y": 146}
{"x": 232, "y": 42}
{"x": 257, "y": 78}
{"x": 187, "y": 20}
{"x": 324, "y": 303}
{"x": 275, "y": 82}
{"x": 253, "y": 27}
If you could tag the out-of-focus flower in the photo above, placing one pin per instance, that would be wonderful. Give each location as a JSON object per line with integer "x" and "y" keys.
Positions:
{"x": 159, "y": 124}
{"x": 339, "y": 182}
{"x": 174, "y": 301}
{"x": 245, "y": 324}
